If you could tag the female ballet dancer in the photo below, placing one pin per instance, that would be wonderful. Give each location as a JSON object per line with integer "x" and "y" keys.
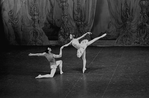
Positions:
{"x": 81, "y": 47}
{"x": 53, "y": 63}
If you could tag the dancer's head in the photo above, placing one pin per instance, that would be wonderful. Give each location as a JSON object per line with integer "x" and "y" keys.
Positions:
{"x": 48, "y": 50}
{"x": 71, "y": 36}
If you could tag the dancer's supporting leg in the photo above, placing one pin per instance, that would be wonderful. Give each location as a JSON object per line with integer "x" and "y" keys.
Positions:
{"x": 84, "y": 60}
{"x": 60, "y": 64}
{"x": 95, "y": 39}
{"x": 53, "y": 70}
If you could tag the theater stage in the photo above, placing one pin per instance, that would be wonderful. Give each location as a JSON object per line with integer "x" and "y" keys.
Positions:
{"x": 112, "y": 72}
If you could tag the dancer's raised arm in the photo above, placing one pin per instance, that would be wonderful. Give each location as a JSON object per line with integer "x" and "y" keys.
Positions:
{"x": 60, "y": 53}
{"x": 36, "y": 54}
{"x": 67, "y": 44}
{"x": 83, "y": 35}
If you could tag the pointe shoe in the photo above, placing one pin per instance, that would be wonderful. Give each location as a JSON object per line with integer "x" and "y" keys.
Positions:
{"x": 84, "y": 70}
{"x": 39, "y": 76}
{"x": 61, "y": 73}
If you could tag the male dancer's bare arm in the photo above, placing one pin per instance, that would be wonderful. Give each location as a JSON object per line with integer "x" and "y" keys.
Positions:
{"x": 36, "y": 54}
{"x": 60, "y": 53}
{"x": 67, "y": 44}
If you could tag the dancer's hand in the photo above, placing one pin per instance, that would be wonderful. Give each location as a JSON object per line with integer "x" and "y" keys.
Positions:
{"x": 89, "y": 33}
{"x": 30, "y": 54}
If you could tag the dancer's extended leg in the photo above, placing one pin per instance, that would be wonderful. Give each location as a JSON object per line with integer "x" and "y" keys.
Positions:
{"x": 95, "y": 39}
{"x": 84, "y": 61}
{"x": 53, "y": 70}
{"x": 60, "y": 64}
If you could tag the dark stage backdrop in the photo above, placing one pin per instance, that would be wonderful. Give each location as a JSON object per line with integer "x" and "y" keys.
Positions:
{"x": 37, "y": 22}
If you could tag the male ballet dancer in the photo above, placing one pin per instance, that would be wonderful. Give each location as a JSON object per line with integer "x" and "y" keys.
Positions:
{"x": 53, "y": 63}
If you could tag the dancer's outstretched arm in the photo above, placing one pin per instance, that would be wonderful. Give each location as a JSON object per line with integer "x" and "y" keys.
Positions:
{"x": 36, "y": 54}
{"x": 67, "y": 44}
{"x": 60, "y": 53}
{"x": 83, "y": 35}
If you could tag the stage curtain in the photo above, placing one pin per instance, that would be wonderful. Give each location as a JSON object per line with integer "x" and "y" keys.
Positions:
{"x": 36, "y": 22}
{"x": 30, "y": 22}
{"x": 78, "y": 17}
{"x": 127, "y": 20}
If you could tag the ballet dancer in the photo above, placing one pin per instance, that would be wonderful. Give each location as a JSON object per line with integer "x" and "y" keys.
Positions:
{"x": 53, "y": 63}
{"x": 81, "y": 47}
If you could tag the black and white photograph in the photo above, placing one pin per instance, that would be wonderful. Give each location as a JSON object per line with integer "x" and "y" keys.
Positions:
{"x": 74, "y": 49}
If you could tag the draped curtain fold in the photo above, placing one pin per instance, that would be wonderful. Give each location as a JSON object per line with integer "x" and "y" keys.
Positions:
{"x": 78, "y": 17}
{"x": 83, "y": 14}
{"x": 30, "y": 22}
{"x": 36, "y": 22}
{"x": 126, "y": 17}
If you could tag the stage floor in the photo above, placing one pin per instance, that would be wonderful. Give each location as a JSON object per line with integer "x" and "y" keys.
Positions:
{"x": 112, "y": 72}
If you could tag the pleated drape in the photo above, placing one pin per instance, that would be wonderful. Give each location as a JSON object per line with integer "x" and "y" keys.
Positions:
{"x": 36, "y": 22}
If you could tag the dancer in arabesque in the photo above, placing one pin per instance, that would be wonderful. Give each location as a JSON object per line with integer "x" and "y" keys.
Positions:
{"x": 81, "y": 47}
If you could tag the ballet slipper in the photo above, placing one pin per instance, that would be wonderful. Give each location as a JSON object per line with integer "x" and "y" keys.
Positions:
{"x": 61, "y": 72}
{"x": 39, "y": 76}
{"x": 84, "y": 69}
